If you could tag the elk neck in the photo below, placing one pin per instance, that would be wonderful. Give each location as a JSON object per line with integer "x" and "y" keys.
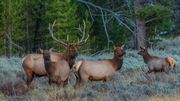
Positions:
{"x": 147, "y": 57}
{"x": 117, "y": 62}
{"x": 69, "y": 58}
{"x": 47, "y": 63}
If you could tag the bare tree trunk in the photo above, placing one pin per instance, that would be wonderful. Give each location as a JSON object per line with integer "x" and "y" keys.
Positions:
{"x": 37, "y": 36}
{"x": 140, "y": 26}
{"x": 177, "y": 14}
{"x": 8, "y": 42}
{"x": 27, "y": 35}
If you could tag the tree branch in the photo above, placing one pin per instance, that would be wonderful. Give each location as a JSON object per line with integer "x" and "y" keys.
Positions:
{"x": 105, "y": 28}
{"x": 13, "y": 43}
{"x": 119, "y": 17}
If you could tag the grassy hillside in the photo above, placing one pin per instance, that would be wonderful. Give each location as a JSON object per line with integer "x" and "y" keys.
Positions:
{"x": 130, "y": 83}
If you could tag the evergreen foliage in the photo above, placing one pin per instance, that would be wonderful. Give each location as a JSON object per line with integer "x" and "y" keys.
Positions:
{"x": 26, "y": 23}
{"x": 65, "y": 14}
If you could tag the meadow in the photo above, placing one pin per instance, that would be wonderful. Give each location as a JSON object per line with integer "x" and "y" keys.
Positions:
{"x": 131, "y": 83}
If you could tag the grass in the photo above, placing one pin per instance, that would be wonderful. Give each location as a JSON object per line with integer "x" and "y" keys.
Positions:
{"x": 164, "y": 98}
{"x": 129, "y": 84}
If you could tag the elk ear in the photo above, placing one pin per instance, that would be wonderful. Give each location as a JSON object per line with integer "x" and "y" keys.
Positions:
{"x": 41, "y": 50}
{"x": 114, "y": 47}
{"x": 142, "y": 48}
{"x": 145, "y": 48}
{"x": 122, "y": 46}
{"x": 50, "y": 50}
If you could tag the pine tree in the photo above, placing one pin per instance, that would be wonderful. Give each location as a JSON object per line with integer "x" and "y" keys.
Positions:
{"x": 65, "y": 14}
{"x": 11, "y": 25}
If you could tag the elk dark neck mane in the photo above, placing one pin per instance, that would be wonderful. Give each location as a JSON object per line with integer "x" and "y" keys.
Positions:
{"x": 147, "y": 57}
{"x": 69, "y": 58}
{"x": 47, "y": 61}
{"x": 116, "y": 62}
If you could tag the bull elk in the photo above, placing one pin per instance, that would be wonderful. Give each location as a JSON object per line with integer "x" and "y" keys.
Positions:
{"x": 155, "y": 63}
{"x": 72, "y": 48}
{"x": 58, "y": 71}
{"x": 101, "y": 69}
{"x": 33, "y": 64}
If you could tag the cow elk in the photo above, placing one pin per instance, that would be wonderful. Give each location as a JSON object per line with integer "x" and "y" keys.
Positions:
{"x": 100, "y": 69}
{"x": 33, "y": 65}
{"x": 58, "y": 71}
{"x": 155, "y": 63}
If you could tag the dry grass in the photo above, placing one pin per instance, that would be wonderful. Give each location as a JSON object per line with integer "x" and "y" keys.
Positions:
{"x": 164, "y": 98}
{"x": 130, "y": 84}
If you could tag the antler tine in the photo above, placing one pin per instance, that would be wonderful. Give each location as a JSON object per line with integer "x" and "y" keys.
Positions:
{"x": 82, "y": 40}
{"x": 84, "y": 31}
{"x": 50, "y": 28}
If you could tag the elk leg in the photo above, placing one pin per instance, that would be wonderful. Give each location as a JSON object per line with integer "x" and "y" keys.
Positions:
{"x": 65, "y": 82}
{"x": 81, "y": 81}
{"x": 166, "y": 70}
{"x": 78, "y": 82}
{"x": 151, "y": 69}
{"x": 50, "y": 81}
{"x": 84, "y": 79}
{"x": 78, "y": 79}
{"x": 174, "y": 70}
{"x": 77, "y": 76}
{"x": 30, "y": 77}
{"x": 59, "y": 83}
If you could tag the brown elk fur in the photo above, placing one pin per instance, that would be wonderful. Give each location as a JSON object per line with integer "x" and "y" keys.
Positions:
{"x": 33, "y": 64}
{"x": 101, "y": 69}
{"x": 155, "y": 63}
{"x": 58, "y": 71}
{"x": 70, "y": 54}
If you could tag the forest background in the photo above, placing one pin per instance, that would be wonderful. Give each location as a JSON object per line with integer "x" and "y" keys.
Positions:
{"x": 24, "y": 24}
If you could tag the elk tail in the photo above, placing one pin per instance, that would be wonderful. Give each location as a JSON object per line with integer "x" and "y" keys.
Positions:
{"x": 23, "y": 59}
{"x": 77, "y": 65}
{"x": 171, "y": 62}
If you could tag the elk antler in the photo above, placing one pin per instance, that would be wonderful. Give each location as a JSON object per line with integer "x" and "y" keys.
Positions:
{"x": 83, "y": 39}
{"x": 50, "y": 28}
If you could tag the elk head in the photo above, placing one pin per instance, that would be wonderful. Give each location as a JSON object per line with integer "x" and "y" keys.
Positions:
{"x": 46, "y": 53}
{"x": 119, "y": 52}
{"x": 143, "y": 51}
{"x": 72, "y": 48}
